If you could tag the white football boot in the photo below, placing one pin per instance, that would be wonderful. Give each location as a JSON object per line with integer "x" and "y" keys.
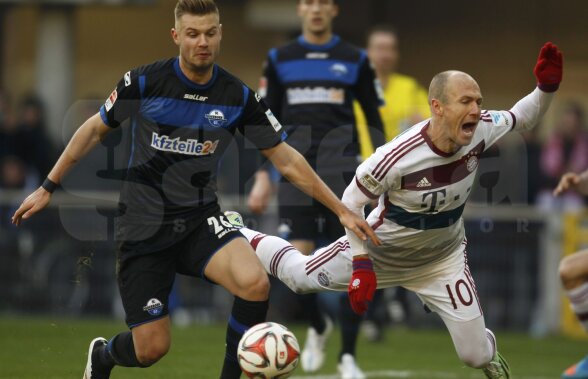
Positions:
{"x": 348, "y": 369}
{"x": 312, "y": 356}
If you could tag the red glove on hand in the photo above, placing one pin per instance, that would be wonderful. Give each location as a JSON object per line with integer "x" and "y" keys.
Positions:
{"x": 549, "y": 68}
{"x": 362, "y": 285}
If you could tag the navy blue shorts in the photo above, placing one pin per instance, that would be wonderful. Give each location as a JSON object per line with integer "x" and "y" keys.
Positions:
{"x": 145, "y": 280}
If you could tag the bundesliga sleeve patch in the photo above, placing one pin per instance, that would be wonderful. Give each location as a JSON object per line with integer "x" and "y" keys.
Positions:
{"x": 499, "y": 119}
{"x": 369, "y": 182}
{"x": 111, "y": 100}
{"x": 273, "y": 120}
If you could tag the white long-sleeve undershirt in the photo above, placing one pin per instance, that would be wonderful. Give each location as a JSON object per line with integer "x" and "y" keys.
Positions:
{"x": 529, "y": 110}
{"x": 355, "y": 200}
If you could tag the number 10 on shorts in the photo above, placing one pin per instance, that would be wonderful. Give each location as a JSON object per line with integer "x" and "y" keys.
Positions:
{"x": 463, "y": 291}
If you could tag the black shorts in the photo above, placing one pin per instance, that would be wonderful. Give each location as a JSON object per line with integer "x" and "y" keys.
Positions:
{"x": 146, "y": 280}
{"x": 302, "y": 217}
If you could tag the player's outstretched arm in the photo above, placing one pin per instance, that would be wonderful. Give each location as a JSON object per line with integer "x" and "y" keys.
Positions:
{"x": 297, "y": 170}
{"x": 548, "y": 73}
{"x": 572, "y": 181}
{"x": 86, "y": 137}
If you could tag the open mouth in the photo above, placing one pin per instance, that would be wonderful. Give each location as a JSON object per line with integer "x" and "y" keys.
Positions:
{"x": 468, "y": 128}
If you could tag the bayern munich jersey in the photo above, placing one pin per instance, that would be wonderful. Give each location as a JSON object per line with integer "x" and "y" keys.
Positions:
{"x": 422, "y": 192}
{"x": 311, "y": 89}
{"x": 180, "y": 130}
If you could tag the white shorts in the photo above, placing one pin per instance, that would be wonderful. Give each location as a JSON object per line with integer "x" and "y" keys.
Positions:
{"x": 445, "y": 287}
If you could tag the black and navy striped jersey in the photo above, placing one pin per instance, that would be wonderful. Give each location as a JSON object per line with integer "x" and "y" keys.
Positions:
{"x": 311, "y": 89}
{"x": 180, "y": 130}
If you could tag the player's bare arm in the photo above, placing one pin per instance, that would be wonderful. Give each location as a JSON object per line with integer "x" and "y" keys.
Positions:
{"x": 86, "y": 137}
{"x": 297, "y": 170}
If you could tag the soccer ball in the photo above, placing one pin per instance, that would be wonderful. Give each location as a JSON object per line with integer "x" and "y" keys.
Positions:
{"x": 268, "y": 351}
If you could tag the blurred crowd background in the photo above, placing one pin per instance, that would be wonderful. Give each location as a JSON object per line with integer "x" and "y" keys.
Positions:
{"x": 59, "y": 60}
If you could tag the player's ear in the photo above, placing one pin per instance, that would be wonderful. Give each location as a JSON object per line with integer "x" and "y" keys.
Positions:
{"x": 436, "y": 107}
{"x": 220, "y": 31}
{"x": 175, "y": 37}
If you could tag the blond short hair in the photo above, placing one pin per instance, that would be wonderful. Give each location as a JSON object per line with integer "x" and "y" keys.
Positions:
{"x": 195, "y": 7}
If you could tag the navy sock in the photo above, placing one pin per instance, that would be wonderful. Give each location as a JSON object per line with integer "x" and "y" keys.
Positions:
{"x": 244, "y": 315}
{"x": 122, "y": 350}
{"x": 102, "y": 360}
{"x": 350, "y": 322}
{"x": 312, "y": 312}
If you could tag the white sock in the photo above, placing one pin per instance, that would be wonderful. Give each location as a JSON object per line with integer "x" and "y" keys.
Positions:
{"x": 249, "y": 234}
{"x": 474, "y": 345}
{"x": 579, "y": 299}
{"x": 281, "y": 260}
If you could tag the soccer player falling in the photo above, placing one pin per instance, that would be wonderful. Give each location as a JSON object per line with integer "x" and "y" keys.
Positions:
{"x": 422, "y": 180}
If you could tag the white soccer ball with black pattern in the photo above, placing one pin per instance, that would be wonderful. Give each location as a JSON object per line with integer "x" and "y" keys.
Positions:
{"x": 268, "y": 351}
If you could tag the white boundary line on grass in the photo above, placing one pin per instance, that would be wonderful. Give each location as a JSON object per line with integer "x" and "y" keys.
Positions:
{"x": 412, "y": 374}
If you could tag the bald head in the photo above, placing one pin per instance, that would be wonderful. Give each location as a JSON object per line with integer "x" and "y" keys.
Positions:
{"x": 441, "y": 82}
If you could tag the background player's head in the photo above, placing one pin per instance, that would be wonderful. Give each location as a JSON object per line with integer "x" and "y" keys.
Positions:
{"x": 455, "y": 99}
{"x": 382, "y": 48}
{"x": 317, "y": 16}
{"x": 198, "y": 33}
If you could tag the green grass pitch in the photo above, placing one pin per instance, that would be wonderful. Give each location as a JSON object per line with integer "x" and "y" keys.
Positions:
{"x": 55, "y": 348}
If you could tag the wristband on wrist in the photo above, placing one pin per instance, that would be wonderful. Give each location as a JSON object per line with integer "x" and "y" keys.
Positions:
{"x": 363, "y": 264}
{"x": 548, "y": 87}
{"x": 49, "y": 185}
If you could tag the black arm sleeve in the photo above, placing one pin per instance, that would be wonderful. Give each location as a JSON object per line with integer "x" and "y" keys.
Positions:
{"x": 123, "y": 102}
{"x": 258, "y": 124}
{"x": 369, "y": 96}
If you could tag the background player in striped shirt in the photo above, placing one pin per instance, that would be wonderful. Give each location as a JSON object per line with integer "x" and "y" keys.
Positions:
{"x": 422, "y": 180}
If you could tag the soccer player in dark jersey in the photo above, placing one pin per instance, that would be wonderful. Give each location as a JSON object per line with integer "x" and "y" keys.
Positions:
{"x": 183, "y": 113}
{"x": 310, "y": 84}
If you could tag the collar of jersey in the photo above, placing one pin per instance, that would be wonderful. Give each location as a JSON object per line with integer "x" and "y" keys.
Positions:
{"x": 334, "y": 40}
{"x": 432, "y": 146}
{"x": 190, "y": 83}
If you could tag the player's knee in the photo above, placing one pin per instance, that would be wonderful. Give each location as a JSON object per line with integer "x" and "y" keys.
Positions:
{"x": 301, "y": 287}
{"x": 257, "y": 288}
{"x": 151, "y": 353}
{"x": 298, "y": 281}
{"x": 297, "y": 288}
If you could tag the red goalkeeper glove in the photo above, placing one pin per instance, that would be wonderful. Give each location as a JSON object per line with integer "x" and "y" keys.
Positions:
{"x": 549, "y": 68}
{"x": 362, "y": 285}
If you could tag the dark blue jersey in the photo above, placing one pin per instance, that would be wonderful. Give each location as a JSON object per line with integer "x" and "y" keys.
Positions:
{"x": 311, "y": 89}
{"x": 180, "y": 130}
